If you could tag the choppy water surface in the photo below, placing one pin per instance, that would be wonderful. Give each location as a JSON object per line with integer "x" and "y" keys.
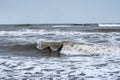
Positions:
{"x": 20, "y": 59}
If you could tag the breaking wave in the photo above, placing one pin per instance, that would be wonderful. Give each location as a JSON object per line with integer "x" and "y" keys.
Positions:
{"x": 66, "y": 48}
{"x": 75, "y": 48}
{"x": 109, "y": 25}
{"x": 28, "y": 32}
{"x": 33, "y": 32}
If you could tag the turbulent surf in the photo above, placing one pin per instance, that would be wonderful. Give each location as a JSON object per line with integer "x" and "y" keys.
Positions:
{"x": 75, "y": 48}
{"x": 60, "y": 52}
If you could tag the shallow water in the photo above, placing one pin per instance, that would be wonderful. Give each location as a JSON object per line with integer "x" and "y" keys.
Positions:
{"x": 20, "y": 59}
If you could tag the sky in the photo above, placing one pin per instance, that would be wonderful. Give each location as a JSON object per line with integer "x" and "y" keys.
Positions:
{"x": 59, "y": 11}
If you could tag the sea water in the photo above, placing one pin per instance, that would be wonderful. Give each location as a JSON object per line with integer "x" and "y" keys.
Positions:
{"x": 98, "y": 58}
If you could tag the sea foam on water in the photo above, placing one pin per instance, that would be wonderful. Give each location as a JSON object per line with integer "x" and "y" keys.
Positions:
{"x": 77, "y": 48}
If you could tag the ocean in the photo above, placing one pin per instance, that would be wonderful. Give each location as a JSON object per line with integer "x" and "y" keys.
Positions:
{"x": 88, "y": 52}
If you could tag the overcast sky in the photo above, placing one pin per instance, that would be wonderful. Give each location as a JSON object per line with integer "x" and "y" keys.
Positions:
{"x": 59, "y": 11}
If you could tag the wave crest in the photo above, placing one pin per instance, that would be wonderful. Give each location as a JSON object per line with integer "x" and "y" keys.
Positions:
{"x": 76, "y": 48}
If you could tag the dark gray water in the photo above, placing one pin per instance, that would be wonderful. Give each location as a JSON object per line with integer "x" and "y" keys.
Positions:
{"x": 20, "y": 59}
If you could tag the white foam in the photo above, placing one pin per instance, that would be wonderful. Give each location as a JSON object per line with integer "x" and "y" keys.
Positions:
{"x": 88, "y": 49}
{"x": 24, "y": 32}
{"x": 109, "y": 25}
{"x": 92, "y": 68}
{"x": 34, "y": 32}
{"x": 27, "y": 32}
{"x": 34, "y": 35}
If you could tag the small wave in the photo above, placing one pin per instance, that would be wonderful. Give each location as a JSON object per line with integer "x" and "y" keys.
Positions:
{"x": 109, "y": 25}
{"x": 24, "y": 32}
{"x": 75, "y": 48}
{"x": 76, "y": 25}
{"x": 34, "y": 32}
{"x": 62, "y": 26}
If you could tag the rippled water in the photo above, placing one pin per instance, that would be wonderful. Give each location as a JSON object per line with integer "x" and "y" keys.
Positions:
{"x": 20, "y": 59}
